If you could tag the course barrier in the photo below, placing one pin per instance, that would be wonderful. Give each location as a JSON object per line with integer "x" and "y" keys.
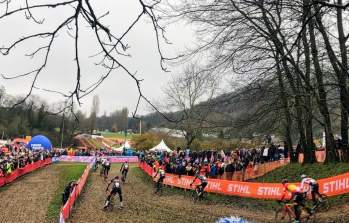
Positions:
{"x": 89, "y": 159}
{"x": 78, "y": 159}
{"x": 319, "y": 155}
{"x": 255, "y": 171}
{"x": 67, "y": 207}
{"x": 22, "y": 171}
{"x": 331, "y": 186}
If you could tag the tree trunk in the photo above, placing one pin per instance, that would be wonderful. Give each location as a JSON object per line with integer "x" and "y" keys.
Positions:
{"x": 309, "y": 153}
{"x": 342, "y": 81}
{"x": 280, "y": 50}
{"x": 330, "y": 145}
{"x": 287, "y": 113}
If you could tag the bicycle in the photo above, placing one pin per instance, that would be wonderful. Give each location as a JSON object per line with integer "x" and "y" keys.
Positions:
{"x": 158, "y": 187}
{"x": 322, "y": 203}
{"x": 105, "y": 173}
{"x": 101, "y": 172}
{"x": 123, "y": 177}
{"x": 95, "y": 166}
{"x": 286, "y": 214}
{"x": 109, "y": 204}
{"x": 198, "y": 194}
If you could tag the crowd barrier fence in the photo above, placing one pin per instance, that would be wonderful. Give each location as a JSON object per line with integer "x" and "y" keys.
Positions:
{"x": 22, "y": 171}
{"x": 67, "y": 207}
{"x": 331, "y": 186}
{"x": 255, "y": 171}
{"x": 319, "y": 155}
{"x": 89, "y": 159}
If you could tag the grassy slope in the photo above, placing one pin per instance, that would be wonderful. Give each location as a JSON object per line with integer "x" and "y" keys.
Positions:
{"x": 317, "y": 171}
{"x": 294, "y": 171}
{"x": 68, "y": 172}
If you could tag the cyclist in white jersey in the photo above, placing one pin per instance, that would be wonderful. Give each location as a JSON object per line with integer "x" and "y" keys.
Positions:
{"x": 313, "y": 187}
{"x": 106, "y": 167}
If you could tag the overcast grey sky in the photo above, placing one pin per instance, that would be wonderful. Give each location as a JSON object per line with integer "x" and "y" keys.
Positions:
{"x": 119, "y": 90}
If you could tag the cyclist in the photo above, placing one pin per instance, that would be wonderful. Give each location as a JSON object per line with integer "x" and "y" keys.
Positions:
{"x": 202, "y": 185}
{"x": 98, "y": 162}
{"x": 313, "y": 187}
{"x": 161, "y": 173}
{"x": 102, "y": 161}
{"x": 296, "y": 196}
{"x": 124, "y": 171}
{"x": 116, "y": 189}
{"x": 106, "y": 168}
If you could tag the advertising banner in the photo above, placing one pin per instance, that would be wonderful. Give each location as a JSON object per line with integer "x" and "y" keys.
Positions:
{"x": 331, "y": 186}
{"x": 22, "y": 171}
{"x": 66, "y": 209}
{"x": 89, "y": 159}
{"x": 78, "y": 159}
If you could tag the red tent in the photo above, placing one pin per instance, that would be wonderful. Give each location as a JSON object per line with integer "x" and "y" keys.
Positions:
{"x": 19, "y": 140}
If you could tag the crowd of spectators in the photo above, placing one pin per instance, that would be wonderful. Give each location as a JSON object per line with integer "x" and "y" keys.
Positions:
{"x": 18, "y": 156}
{"x": 214, "y": 164}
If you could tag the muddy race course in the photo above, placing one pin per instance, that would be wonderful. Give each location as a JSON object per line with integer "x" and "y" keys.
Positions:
{"x": 141, "y": 205}
{"x": 27, "y": 199}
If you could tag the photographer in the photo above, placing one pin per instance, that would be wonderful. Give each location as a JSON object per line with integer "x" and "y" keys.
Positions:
{"x": 67, "y": 191}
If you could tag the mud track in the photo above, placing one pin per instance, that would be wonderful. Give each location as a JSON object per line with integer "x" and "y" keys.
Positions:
{"x": 141, "y": 205}
{"x": 27, "y": 199}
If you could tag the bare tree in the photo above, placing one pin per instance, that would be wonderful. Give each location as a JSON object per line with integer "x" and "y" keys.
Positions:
{"x": 80, "y": 13}
{"x": 262, "y": 40}
{"x": 190, "y": 95}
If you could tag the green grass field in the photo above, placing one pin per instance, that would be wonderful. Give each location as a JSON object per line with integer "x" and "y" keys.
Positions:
{"x": 293, "y": 172}
{"x": 68, "y": 172}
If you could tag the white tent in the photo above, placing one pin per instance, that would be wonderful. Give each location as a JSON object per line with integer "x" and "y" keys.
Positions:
{"x": 161, "y": 147}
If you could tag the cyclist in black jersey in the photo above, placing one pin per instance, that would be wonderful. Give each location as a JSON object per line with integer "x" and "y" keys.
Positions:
{"x": 203, "y": 183}
{"x": 116, "y": 189}
{"x": 124, "y": 171}
{"x": 102, "y": 163}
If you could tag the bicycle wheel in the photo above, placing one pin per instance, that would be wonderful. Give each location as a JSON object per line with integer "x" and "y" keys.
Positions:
{"x": 108, "y": 205}
{"x": 160, "y": 190}
{"x": 309, "y": 219}
{"x": 323, "y": 204}
{"x": 194, "y": 196}
{"x": 282, "y": 216}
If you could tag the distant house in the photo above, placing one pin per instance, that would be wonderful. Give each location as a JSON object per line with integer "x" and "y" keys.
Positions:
{"x": 171, "y": 132}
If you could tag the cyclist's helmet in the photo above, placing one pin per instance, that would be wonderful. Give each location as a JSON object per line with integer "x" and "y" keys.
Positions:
{"x": 303, "y": 176}
{"x": 284, "y": 181}
{"x": 117, "y": 177}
